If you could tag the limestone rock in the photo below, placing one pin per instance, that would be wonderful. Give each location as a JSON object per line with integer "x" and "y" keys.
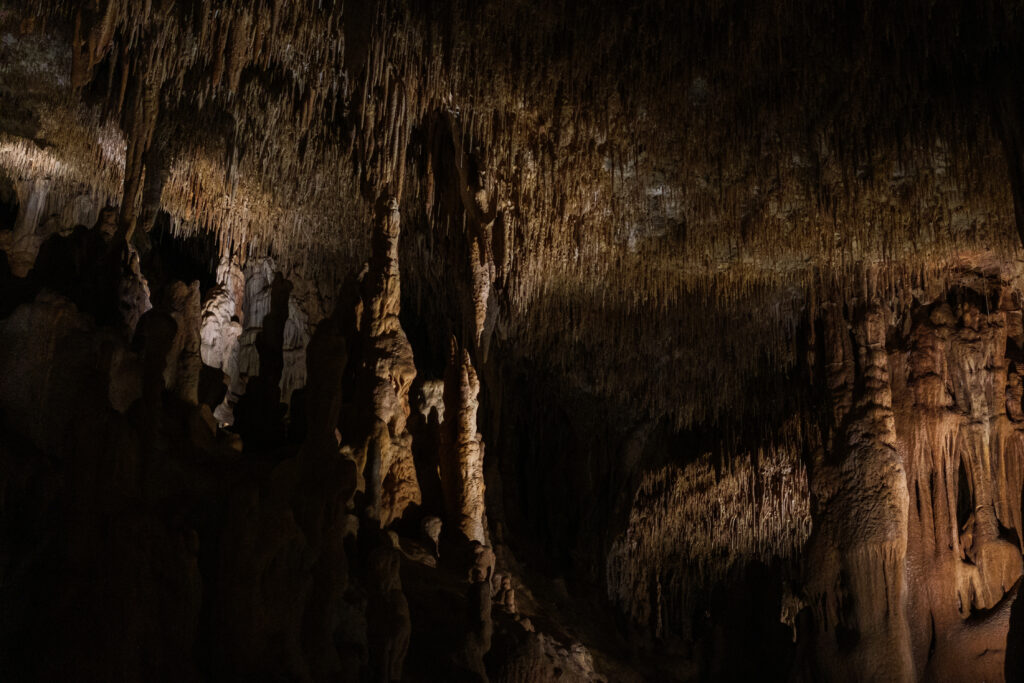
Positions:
{"x": 462, "y": 450}
{"x": 388, "y": 623}
{"x": 387, "y": 374}
{"x": 220, "y": 330}
{"x": 859, "y": 485}
{"x": 185, "y": 359}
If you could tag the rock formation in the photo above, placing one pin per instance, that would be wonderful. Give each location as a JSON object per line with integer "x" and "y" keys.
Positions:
{"x": 732, "y": 291}
{"x": 222, "y": 320}
{"x": 386, "y": 378}
{"x": 857, "y": 550}
{"x": 462, "y": 449}
{"x": 182, "y": 373}
{"x": 387, "y": 615}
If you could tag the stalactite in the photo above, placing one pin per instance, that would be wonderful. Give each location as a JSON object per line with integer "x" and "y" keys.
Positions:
{"x": 700, "y": 524}
{"x": 670, "y": 208}
{"x": 689, "y": 198}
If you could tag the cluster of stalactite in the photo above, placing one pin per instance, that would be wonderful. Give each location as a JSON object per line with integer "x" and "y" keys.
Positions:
{"x": 963, "y": 449}
{"x": 692, "y": 526}
{"x": 689, "y": 204}
{"x": 714, "y": 162}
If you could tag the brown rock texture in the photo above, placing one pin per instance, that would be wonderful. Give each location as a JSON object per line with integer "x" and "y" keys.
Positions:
{"x": 462, "y": 449}
{"x": 221, "y": 327}
{"x": 184, "y": 357}
{"x": 856, "y": 555}
{"x": 733, "y": 290}
{"x": 915, "y": 554}
{"x": 963, "y": 455}
{"x": 387, "y": 374}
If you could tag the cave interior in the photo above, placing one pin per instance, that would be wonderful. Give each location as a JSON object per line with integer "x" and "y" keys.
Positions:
{"x": 511, "y": 341}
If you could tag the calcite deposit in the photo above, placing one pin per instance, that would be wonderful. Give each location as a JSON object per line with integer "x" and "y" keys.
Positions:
{"x": 733, "y": 293}
{"x": 462, "y": 450}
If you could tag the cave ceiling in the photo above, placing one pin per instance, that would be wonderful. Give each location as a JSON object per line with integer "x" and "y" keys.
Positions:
{"x": 642, "y": 159}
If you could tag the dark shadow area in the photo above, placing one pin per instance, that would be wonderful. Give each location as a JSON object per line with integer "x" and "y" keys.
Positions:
{"x": 8, "y": 203}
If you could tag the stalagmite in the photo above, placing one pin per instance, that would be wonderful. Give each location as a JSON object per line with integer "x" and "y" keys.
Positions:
{"x": 26, "y": 237}
{"x": 856, "y": 554}
{"x": 387, "y": 615}
{"x": 462, "y": 449}
{"x": 260, "y": 408}
{"x": 480, "y": 205}
{"x": 432, "y": 533}
{"x": 506, "y": 596}
{"x": 221, "y": 327}
{"x": 387, "y": 375}
{"x": 185, "y": 360}
{"x": 133, "y": 290}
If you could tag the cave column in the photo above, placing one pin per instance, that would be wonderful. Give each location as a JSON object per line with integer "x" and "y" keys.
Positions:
{"x": 221, "y": 328}
{"x": 480, "y": 206}
{"x": 388, "y": 372}
{"x": 857, "y": 552}
{"x": 462, "y": 449}
{"x": 33, "y": 195}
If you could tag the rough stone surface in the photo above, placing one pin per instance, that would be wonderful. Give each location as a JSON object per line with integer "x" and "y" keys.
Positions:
{"x": 462, "y": 449}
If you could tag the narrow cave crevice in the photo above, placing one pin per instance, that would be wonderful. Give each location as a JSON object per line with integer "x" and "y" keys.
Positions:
{"x": 964, "y": 497}
{"x": 8, "y": 203}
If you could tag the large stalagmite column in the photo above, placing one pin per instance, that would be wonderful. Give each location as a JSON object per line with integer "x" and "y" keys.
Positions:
{"x": 388, "y": 373}
{"x": 856, "y": 561}
{"x": 220, "y": 329}
{"x": 182, "y": 373}
{"x": 462, "y": 449}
